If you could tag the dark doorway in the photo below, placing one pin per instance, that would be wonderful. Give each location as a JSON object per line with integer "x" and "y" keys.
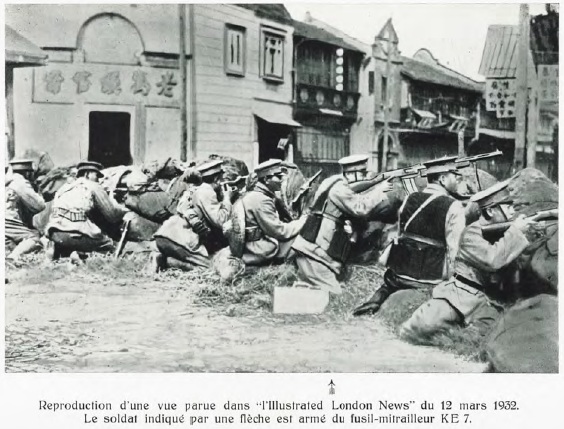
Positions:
{"x": 269, "y": 136}
{"x": 109, "y": 138}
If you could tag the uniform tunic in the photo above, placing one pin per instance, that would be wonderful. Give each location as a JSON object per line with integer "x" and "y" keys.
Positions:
{"x": 315, "y": 266}
{"x": 22, "y": 202}
{"x": 176, "y": 238}
{"x": 455, "y": 301}
{"x": 272, "y": 238}
{"x": 77, "y": 208}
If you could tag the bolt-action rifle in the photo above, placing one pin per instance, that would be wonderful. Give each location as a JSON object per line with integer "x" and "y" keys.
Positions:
{"x": 232, "y": 185}
{"x": 498, "y": 229}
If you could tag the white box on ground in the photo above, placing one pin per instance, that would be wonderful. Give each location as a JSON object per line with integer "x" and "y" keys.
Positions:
{"x": 299, "y": 299}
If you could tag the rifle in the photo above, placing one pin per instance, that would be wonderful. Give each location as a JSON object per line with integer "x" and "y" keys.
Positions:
{"x": 498, "y": 229}
{"x": 123, "y": 239}
{"x": 467, "y": 160}
{"x": 231, "y": 185}
{"x": 404, "y": 173}
{"x": 304, "y": 189}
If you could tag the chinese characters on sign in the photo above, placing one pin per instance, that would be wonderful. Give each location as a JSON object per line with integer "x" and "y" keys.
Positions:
{"x": 55, "y": 83}
{"x": 548, "y": 82}
{"x": 501, "y": 95}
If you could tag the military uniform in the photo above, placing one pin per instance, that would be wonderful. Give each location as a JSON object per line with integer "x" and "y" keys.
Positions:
{"x": 267, "y": 237}
{"x": 80, "y": 210}
{"x": 22, "y": 203}
{"x": 195, "y": 231}
{"x": 464, "y": 298}
{"x": 323, "y": 246}
{"x": 430, "y": 225}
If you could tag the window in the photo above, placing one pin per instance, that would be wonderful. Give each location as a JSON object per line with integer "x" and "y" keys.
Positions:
{"x": 370, "y": 82}
{"x": 235, "y": 48}
{"x": 272, "y": 55}
{"x": 384, "y": 88}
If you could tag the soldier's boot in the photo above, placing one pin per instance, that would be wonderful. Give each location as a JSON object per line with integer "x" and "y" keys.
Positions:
{"x": 29, "y": 245}
{"x": 373, "y": 304}
{"x": 157, "y": 263}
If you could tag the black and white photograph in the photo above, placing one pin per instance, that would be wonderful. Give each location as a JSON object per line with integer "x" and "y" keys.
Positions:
{"x": 281, "y": 188}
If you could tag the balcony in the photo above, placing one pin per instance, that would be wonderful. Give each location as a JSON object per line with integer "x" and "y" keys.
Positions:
{"x": 312, "y": 99}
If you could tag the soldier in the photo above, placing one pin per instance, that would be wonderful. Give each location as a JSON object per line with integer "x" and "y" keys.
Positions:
{"x": 324, "y": 243}
{"x": 430, "y": 225}
{"x": 267, "y": 237}
{"x": 81, "y": 209}
{"x": 189, "y": 237}
{"x": 465, "y": 298}
{"x": 22, "y": 202}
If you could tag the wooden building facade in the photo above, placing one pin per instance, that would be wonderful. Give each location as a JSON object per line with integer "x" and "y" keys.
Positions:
{"x": 113, "y": 88}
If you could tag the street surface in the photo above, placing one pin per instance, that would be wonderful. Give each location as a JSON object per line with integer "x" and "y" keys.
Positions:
{"x": 82, "y": 325}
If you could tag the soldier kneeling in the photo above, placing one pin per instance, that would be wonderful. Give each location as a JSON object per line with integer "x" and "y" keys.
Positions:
{"x": 81, "y": 209}
{"x": 187, "y": 239}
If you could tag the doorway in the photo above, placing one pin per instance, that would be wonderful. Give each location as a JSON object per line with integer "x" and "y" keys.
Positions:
{"x": 109, "y": 138}
{"x": 269, "y": 136}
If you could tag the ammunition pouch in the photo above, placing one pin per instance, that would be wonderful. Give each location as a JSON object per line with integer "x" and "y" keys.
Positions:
{"x": 418, "y": 257}
{"x": 340, "y": 245}
{"x": 197, "y": 224}
{"x": 253, "y": 233}
{"x": 311, "y": 227}
{"x": 73, "y": 216}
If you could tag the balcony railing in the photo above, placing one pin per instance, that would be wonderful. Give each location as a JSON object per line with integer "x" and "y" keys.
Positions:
{"x": 324, "y": 100}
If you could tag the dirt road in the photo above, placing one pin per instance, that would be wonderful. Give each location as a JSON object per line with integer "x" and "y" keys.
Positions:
{"x": 80, "y": 324}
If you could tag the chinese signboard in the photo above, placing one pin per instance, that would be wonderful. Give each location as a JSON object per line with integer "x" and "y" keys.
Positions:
{"x": 501, "y": 95}
{"x": 94, "y": 83}
{"x": 548, "y": 82}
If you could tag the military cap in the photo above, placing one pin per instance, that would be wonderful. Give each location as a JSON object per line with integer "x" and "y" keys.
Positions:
{"x": 269, "y": 168}
{"x": 21, "y": 164}
{"x": 210, "y": 168}
{"x": 493, "y": 196}
{"x": 90, "y": 166}
{"x": 446, "y": 164}
{"x": 354, "y": 163}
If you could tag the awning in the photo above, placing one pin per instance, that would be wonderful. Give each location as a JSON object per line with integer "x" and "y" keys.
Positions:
{"x": 423, "y": 113}
{"x": 275, "y": 113}
{"x": 20, "y": 52}
{"x": 458, "y": 118}
{"x": 500, "y": 134}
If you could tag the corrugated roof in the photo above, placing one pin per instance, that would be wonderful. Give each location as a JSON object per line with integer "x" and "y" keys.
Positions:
{"x": 274, "y": 12}
{"x": 499, "y": 58}
{"x": 420, "y": 71}
{"x": 308, "y": 31}
{"x": 21, "y": 51}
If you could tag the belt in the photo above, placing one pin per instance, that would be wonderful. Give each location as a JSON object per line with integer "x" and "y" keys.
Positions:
{"x": 253, "y": 233}
{"x": 421, "y": 239}
{"x": 70, "y": 215}
{"x": 468, "y": 282}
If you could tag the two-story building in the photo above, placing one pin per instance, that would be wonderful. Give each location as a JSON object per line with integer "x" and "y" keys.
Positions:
{"x": 326, "y": 96}
{"x": 131, "y": 83}
{"x": 421, "y": 105}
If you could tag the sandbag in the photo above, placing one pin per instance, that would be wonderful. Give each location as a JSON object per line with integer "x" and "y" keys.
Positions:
{"x": 525, "y": 339}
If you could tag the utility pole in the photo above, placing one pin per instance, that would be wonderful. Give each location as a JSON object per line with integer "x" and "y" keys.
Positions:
{"x": 387, "y": 103}
{"x": 183, "y": 83}
{"x": 522, "y": 99}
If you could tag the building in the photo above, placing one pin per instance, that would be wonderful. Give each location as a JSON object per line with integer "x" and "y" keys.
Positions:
{"x": 326, "y": 96}
{"x": 497, "y": 124}
{"x": 422, "y": 105}
{"x": 19, "y": 52}
{"x": 427, "y": 106}
{"x": 133, "y": 83}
